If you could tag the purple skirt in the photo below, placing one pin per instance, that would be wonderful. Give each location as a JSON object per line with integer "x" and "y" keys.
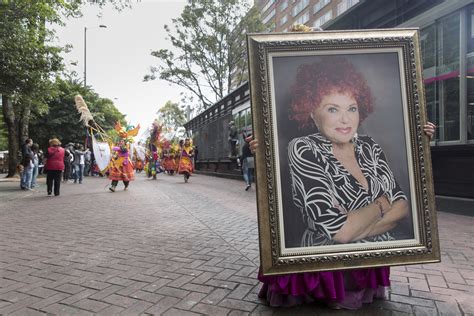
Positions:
{"x": 348, "y": 288}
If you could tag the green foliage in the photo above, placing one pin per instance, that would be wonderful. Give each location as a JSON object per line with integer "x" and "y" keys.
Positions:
{"x": 3, "y": 134}
{"x": 204, "y": 38}
{"x": 62, "y": 119}
{"x": 172, "y": 116}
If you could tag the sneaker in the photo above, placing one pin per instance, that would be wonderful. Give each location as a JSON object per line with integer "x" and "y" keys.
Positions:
{"x": 334, "y": 305}
{"x": 49, "y": 193}
{"x": 247, "y": 187}
{"x": 112, "y": 188}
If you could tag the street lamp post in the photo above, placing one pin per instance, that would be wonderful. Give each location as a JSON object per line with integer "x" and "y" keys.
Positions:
{"x": 85, "y": 52}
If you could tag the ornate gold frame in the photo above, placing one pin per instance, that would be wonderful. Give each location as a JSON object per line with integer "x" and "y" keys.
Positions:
{"x": 272, "y": 260}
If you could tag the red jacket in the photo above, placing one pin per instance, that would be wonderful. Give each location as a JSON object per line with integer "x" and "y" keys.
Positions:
{"x": 55, "y": 159}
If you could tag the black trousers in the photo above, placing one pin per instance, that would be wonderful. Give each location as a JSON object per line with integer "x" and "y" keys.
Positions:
{"x": 53, "y": 178}
{"x": 115, "y": 182}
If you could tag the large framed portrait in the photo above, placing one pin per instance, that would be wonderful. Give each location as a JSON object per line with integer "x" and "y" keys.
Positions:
{"x": 343, "y": 167}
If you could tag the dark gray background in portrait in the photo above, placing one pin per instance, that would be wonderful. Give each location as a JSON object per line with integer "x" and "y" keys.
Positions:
{"x": 385, "y": 125}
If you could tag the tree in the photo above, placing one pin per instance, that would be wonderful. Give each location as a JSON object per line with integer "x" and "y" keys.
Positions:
{"x": 62, "y": 120}
{"x": 203, "y": 39}
{"x": 238, "y": 61}
{"x": 172, "y": 116}
{"x": 28, "y": 60}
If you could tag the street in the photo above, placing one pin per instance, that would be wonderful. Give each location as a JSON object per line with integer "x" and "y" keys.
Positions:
{"x": 166, "y": 247}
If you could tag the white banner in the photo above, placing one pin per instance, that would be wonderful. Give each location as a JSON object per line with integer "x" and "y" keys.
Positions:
{"x": 140, "y": 152}
{"x": 102, "y": 153}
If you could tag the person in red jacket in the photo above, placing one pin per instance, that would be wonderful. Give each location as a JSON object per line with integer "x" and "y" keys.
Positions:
{"x": 54, "y": 166}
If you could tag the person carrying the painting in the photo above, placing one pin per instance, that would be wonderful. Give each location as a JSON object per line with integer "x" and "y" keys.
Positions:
{"x": 342, "y": 185}
{"x": 185, "y": 166}
{"x": 121, "y": 167}
{"x": 247, "y": 163}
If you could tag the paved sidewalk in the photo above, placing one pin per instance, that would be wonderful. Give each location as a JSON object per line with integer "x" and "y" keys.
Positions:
{"x": 165, "y": 247}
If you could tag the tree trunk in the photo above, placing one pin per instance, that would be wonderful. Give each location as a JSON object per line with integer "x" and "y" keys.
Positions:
{"x": 24, "y": 122}
{"x": 13, "y": 142}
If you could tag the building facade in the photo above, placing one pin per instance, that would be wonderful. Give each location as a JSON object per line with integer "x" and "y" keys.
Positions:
{"x": 447, "y": 44}
{"x": 280, "y": 15}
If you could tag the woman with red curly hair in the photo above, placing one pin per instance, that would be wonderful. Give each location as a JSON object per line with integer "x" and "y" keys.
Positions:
{"x": 341, "y": 184}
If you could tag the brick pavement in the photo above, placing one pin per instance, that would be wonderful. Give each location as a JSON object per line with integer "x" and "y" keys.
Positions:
{"x": 170, "y": 248}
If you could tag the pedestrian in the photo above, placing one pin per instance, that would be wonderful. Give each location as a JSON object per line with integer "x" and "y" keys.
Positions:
{"x": 87, "y": 163}
{"x": 67, "y": 164}
{"x": 27, "y": 163}
{"x": 196, "y": 152}
{"x": 54, "y": 166}
{"x": 40, "y": 161}
{"x": 34, "y": 175}
{"x": 247, "y": 163}
{"x": 232, "y": 138}
{"x": 78, "y": 163}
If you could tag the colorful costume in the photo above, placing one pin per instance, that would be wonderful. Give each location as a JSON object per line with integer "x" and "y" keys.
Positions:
{"x": 121, "y": 167}
{"x": 154, "y": 166}
{"x": 186, "y": 167}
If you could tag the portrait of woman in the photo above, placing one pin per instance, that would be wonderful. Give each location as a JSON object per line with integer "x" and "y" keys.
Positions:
{"x": 338, "y": 185}
{"x": 341, "y": 181}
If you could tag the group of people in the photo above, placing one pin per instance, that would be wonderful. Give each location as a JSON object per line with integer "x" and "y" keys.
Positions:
{"x": 31, "y": 164}
{"x": 78, "y": 163}
{"x": 171, "y": 160}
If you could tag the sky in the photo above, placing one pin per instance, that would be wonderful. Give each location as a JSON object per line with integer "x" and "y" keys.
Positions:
{"x": 118, "y": 57}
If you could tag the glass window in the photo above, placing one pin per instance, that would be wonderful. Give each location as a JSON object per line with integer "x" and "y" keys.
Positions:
{"x": 269, "y": 16}
{"x": 447, "y": 73}
{"x": 470, "y": 73}
{"x": 440, "y": 52}
{"x": 284, "y": 19}
{"x": 299, "y": 7}
{"x": 323, "y": 19}
{"x": 428, "y": 49}
{"x": 303, "y": 18}
{"x": 320, "y": 4}
{"x": 268, "y": 5}
{"x": 284, "y": 5}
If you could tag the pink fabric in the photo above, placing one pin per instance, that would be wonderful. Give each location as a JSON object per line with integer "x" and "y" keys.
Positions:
{"x": 349, "y": 288}
{"x": 55, "y": 160}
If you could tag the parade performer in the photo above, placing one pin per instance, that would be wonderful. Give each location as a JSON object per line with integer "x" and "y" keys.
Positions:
{"x": 121, "y": 167}
{"x": 154, "y": 166}
{"x": 185, "y": 166}
{"x": 169, "y": 164}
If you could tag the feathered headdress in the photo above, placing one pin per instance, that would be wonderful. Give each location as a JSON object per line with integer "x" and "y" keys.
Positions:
{"x": 128, "y": 133}
{"x": 81, "y": 106}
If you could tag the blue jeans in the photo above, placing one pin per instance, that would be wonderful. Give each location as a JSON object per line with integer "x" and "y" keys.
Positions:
{"x": 78, "y": 173}
{"x": 248, "y": 173}
{"x": 34, "y": 175}
{"x": 26, "y": 178}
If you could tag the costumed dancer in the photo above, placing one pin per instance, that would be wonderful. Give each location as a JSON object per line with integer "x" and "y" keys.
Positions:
{"x": 169, "y": 164}
{"x": 186, "y": 167}
{"x": 121, "y": 167}
{"x": 154, "y": 162}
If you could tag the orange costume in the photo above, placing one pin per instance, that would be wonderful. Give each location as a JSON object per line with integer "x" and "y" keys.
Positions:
{"x": 121, "y": 166}
{"x": 186, "y": 160}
